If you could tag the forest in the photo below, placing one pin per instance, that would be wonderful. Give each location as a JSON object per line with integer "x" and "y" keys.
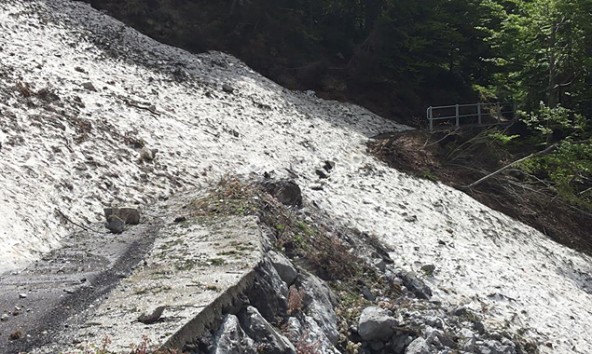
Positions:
{"x": 398, "y": 57}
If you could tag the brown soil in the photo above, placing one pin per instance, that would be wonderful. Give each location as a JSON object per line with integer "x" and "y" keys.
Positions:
{"x": 435, "y": 156}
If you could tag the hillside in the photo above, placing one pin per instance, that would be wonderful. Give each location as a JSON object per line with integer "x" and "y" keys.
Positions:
{"x": 84, "y": 98}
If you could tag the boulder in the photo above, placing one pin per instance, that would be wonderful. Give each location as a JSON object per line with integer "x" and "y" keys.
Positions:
{"x": 416, "y": 285}
{"x": 129, "y": 215}
{"x": 418, "y": 346}
{"x": 494, "y": 347}
{"x": 266, "y": 338}
{"x": 269, "y": 294}
{"x": 318, "y": 302}
{"x": 306, "y": 333}
{"x": 376, "y": 324}
{"x": 284, "y": 267}
{"x": 231, "y": 339}
{"x": 115, "y": 224}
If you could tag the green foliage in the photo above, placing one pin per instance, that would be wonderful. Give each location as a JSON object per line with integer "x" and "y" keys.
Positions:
{"x": 547, "y": 120}
{"x": 503, "y": 138}
{"x": 570, "y": 170}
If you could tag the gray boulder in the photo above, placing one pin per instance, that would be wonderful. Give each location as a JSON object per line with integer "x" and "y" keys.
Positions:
{"x": 318, "y": 302}
{"x": 115, "y": 224}
{"x": 129, "y": 215}
{"x": 306, "y": 333}
{"x": 117, "y": 218}
{"x": 494, "y": 347}
{"x": 267, "y": 339}
{"x": 376, "y": 324}
{"x": 231, "y": 339}
{"x": 284, "y": 267}
{"x": 418, "y": 346}
{"x": 416, "y": 285}
{"x": 269, "y": 294}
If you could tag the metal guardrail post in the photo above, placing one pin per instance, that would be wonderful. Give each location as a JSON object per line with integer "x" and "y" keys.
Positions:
{"x": 457, "y": 116}
{"x": 479, "y": 112}
{"x": 430, "y": 118}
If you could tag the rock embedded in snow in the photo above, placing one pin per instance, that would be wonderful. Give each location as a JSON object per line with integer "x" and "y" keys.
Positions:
{"x": 115, "y": 224}
{"x": 227, "y": 88}
{"x": 416, "y": 285}
{"x": 89, "y": 86}
{"x": 147, "y": 155}
{"x": 321, "y": 173}
{"x": 129, "y": 215}
{"x": 376, "y": 324}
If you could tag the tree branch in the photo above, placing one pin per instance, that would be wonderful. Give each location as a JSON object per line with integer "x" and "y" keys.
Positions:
{"x": 543, "y": 152}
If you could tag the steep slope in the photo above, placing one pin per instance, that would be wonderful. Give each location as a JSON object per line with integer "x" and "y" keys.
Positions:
{"x": 82, "y": 95}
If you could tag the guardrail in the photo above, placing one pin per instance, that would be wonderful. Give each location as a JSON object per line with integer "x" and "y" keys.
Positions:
{"x": 475, "y": 114}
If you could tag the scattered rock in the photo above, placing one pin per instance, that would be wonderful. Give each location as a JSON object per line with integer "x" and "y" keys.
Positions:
{"x": 412, "y": 218}
{"x": 153, "y": 317}
{"x": 129, "y": 215}
{"x": 376, "y": 324}
{"x": 22, "y": 296}
{"x": 418, "y": 346}
{"x": 227, "y": 88}
{"x": 284, "y": 267}
{"x": 4, "y": 317}
{"x": 147, "y": 155}
{"x": 329, "y": 166}
{"x": 79, "y": 69}
{"x": 461, "y": 311}
{"x": 48, "y": 96}
{"x": 399, "y": 342}
{"x": 367, "y": 294}
{"x": 493, "y": 347}
{"x": 285, "y": 191}
{"x": 89, "y": 86}
{"x": 15, "y": 335}
{"x": 179, "y": 219}
{"x": 115, "y": 224}
{"x": 321, "y": 173}
{"x": 416, "y": 285}
{"x": 428, "y": 269}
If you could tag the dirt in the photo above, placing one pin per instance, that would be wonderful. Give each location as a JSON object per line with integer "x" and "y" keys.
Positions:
{"x": 428, "y": 155}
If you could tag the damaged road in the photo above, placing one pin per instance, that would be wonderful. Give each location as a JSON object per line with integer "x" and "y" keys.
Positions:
{"x": 36, "y": 303}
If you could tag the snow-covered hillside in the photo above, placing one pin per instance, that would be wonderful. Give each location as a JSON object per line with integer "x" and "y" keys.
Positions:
{"x": 80, "y": 93}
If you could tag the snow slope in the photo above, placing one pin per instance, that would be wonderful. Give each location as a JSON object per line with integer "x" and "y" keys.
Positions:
{"x": 97, "y": 89}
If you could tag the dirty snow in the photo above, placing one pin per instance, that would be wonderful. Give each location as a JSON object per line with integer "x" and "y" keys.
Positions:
{"x": 73, "y": 148}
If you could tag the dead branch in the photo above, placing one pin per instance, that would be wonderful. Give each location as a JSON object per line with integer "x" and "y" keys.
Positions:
{"x": 543, "y": 152}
